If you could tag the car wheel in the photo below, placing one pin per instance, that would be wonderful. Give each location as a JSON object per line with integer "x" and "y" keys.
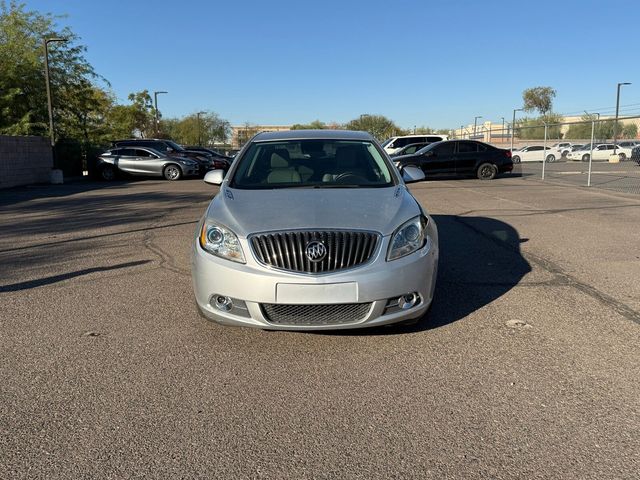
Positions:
{"x": 585, "y": 157}
{"x": 108, "y": 173}
{"x": 551, "y": 158}
{"x": 487, "y": 171}
{"x": 516, "y": 159}
{"x": 564, "y": 154}
{"x": 172, "y": 172}
{"x": 622, "y": 156}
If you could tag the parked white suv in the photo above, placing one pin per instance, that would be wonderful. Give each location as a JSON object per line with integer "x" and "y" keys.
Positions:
{"x": 394, "y": 144}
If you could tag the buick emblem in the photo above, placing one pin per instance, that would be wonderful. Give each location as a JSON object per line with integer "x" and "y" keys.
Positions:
{"x": 315, "y": 251}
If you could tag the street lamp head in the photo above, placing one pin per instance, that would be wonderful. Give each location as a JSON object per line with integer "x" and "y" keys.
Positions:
{"x": 159, "y": 92}
{"x": 55, "y": 39}
{"x": 625, "y": 83}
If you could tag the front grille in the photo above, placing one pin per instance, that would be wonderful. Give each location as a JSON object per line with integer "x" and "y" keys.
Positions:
{"x": 325, "y": 314}
{"x": 286, "y": 250}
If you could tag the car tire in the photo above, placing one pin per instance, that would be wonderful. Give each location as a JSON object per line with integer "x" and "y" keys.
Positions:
{"x": 623, "y": 157}
{"x": 585, "y": 157}
{"x": 487, "y": 171}
{"x": 108, "y": 173}
{"x": 564, "y": 154}
{"x": 172, "y": 172}
{"x": 551, "y": 158}
{"x": 516, "y": 159}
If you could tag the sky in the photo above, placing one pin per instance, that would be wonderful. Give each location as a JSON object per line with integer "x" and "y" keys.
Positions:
{"x": 424, "y": 63}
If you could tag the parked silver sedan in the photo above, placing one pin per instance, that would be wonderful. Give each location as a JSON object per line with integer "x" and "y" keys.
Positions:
{"x": 144, "y": 161}
{"x": 314, "y": 229}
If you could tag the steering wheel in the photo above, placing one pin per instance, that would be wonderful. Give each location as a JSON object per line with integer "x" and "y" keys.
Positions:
{"x": 350, "y": 177}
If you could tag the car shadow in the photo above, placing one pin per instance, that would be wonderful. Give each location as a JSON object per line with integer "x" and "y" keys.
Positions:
{"x": 480, "y": 260}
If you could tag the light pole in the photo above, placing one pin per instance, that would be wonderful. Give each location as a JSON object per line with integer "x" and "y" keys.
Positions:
{"x": 198, "y": 117}
{"x": 513, "y": 124}
{"x": 502, "y": 134}
{"x": 47, "y": 41}
{"x": 155, "y": 107}
{"x": 475, "y": 123}
{"x": 615, "y": 124}
{"x": 597, "y": 120}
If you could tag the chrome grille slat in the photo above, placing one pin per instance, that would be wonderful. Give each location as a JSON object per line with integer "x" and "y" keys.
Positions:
{"x": 286, "y": 250}
{"x": 322, "y": 314}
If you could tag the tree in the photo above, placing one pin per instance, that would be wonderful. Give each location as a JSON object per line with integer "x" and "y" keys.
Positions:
{"x": 533, "y": 128}
{"x": 23, "y": 100}
{"x": 377, "y": 125}
{"x": 630, "y": 130}
{"x": 204, "y": 129}
{"x": 315, "y": 125}
{"x": 603, "y": 130}
{"x": 581, "y": 131}
{"x": 539, "y": 99}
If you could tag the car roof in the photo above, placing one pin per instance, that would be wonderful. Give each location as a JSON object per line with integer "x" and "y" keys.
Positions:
{"x": 313, "y": 135}
{"x": 136, "y": 147}
{"x": 141, "y": 140}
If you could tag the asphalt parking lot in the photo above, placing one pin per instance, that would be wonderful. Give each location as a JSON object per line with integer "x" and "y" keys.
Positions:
{"x": 527, "y": 366}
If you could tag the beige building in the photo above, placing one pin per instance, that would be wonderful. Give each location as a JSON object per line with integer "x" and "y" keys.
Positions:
{"x": 240, "y": 134}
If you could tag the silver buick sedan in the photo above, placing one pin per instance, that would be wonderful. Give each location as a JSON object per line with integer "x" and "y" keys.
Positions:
{"x": 314, "y": 229}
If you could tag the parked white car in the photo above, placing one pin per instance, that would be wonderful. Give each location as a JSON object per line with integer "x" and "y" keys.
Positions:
{"x": 561, "y": 150}
{"x": 601, "y": 152}
{"x": 394, "y": 144}
{"x": 533, "y": 153}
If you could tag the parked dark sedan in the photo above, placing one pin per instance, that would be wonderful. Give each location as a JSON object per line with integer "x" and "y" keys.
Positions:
{"x": 459, "y": 157}
{"x": 220, "y": 161}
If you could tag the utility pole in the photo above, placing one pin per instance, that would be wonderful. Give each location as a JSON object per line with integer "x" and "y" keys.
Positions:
{"x": 475, "y": 124}
{"x": 199, "y": 137}
{"x": 155, "y": 108}
{"x": 615, "y": 124}
{"x": 502, "y": 135}
{"x": 513, "y": 124}
{"x": 52, "y": 134}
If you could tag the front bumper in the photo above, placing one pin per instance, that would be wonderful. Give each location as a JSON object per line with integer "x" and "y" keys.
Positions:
{"x": 255, "y": 285}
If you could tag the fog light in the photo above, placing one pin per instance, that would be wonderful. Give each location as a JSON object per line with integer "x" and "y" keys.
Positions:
{"x": 222, "y": 303}
{"x": 408, "y": 300}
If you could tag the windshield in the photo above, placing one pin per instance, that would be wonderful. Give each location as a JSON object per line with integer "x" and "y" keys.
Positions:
{"x": 431, "y": 146}
{"x": 312, "y": 164}
{"x": 175, "y": 146}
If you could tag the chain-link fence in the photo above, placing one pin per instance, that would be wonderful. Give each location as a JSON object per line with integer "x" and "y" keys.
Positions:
{"x": 594, "y": 152}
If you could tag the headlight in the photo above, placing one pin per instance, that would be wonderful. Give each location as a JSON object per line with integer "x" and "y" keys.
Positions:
{"x": 408, "y": 238}
{"x": 221, "y": 242}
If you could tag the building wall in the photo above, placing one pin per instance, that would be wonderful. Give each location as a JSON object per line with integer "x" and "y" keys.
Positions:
{"x": 24, "y": 161}
{"x": 241, "y": 133}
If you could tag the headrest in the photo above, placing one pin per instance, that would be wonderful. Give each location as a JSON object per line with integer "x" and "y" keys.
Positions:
{"x": 278, "y": 159}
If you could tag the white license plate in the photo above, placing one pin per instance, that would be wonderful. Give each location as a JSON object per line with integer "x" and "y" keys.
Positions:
{"x": 303, "y": 293}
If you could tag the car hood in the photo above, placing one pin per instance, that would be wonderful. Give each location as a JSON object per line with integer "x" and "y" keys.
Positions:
{"x": 253, "y": 211}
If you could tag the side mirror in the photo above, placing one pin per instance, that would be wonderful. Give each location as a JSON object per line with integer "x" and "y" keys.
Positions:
{"x": 214, "y": 177}
{"x": 412, "y": 174}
